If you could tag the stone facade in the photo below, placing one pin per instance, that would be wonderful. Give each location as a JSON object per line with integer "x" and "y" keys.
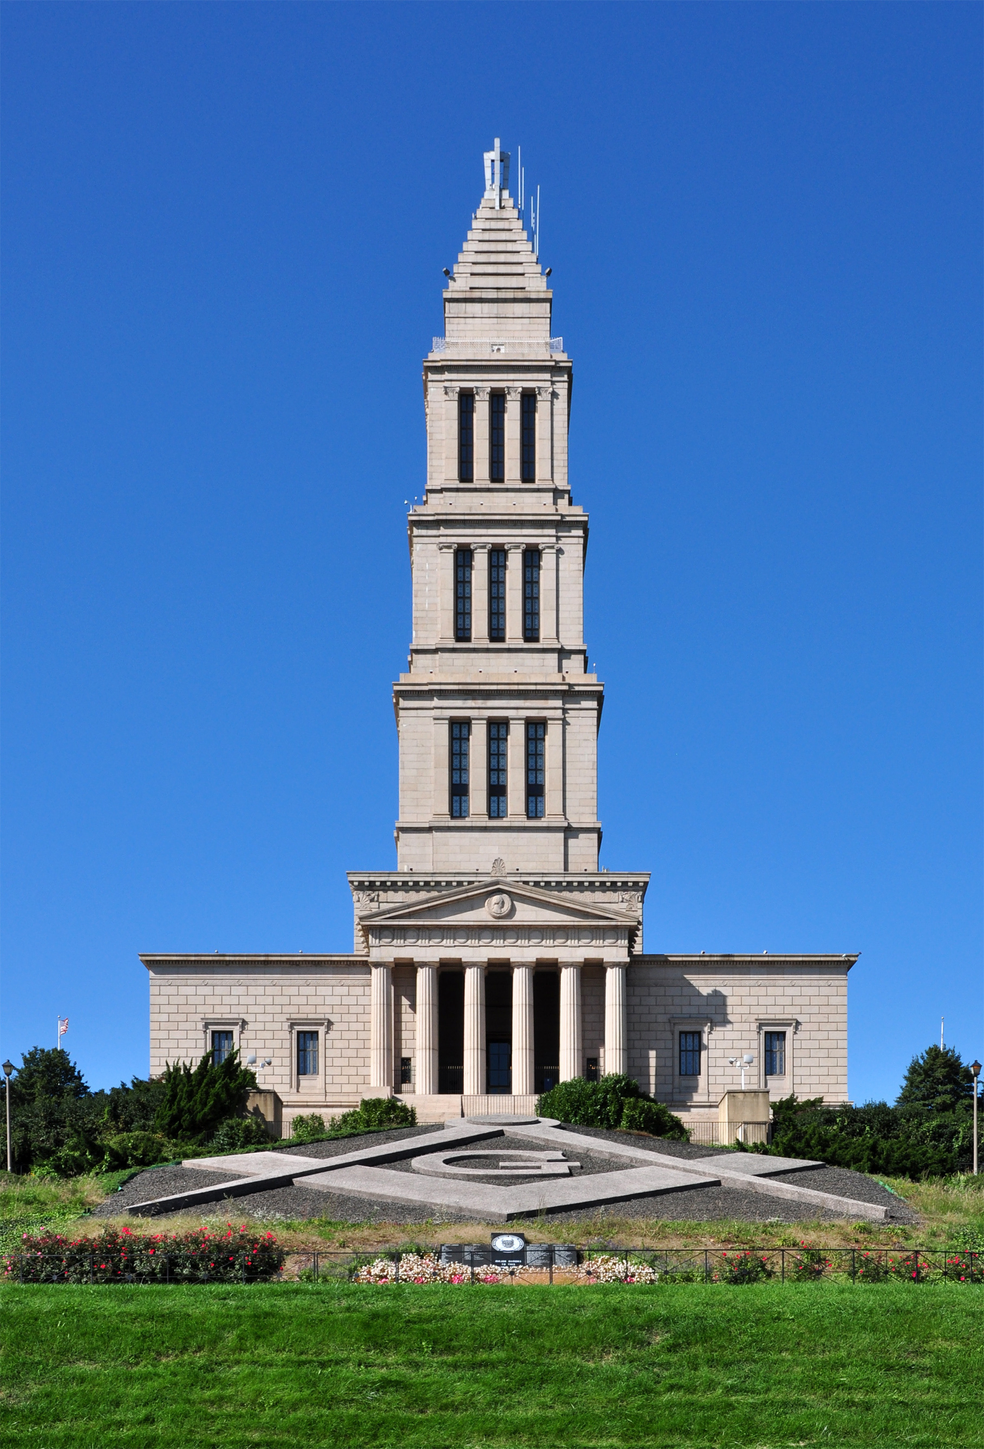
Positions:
{"x": 497, "y": 958}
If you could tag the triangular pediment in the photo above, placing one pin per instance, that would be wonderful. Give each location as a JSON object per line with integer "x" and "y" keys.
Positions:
{"x": 500, "y": 900}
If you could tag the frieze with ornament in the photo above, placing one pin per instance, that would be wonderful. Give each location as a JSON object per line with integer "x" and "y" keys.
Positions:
{"x": 457, "y": 935}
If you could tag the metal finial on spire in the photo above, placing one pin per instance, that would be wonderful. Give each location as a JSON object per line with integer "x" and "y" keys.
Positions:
{"x": 496, "y": 172}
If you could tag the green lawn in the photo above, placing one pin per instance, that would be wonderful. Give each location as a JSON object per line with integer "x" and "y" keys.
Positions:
{"x": 318, "y": 1365}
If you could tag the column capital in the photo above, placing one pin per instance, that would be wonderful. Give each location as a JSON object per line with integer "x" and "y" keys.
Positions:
{"x": 451, "y": 390}
{"x": 481, "y": 392}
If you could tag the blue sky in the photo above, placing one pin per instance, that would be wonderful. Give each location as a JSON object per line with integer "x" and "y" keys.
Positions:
{"x": 224, "y": 233}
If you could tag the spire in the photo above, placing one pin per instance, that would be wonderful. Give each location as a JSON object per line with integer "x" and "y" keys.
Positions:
{"x": 497, "y": 295}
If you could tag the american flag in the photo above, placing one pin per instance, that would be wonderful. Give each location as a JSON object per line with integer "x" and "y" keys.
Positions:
{"x": 62, "y": 1025}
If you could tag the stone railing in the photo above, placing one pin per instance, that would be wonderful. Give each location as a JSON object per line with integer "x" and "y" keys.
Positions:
{"x": 495, "y": 345}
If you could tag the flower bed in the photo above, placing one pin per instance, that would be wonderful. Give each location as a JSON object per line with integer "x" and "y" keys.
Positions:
{"x": 427, "y": 1268}
{"x": 238, "y": 1255}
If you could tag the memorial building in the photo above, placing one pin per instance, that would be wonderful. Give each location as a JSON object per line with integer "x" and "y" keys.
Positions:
{"x": 497, "y": 959}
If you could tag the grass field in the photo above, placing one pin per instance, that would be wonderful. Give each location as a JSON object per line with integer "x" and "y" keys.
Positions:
{"x": 619, "y": 1367}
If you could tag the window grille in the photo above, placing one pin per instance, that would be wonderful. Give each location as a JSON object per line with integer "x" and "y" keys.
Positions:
{"x": 591, "y": 1069}
{"x": 531, "y": 595}
{"x": 497, "y": 595}
{"x": 462, "y": 595}
{"x": 498, "y": 745}
{"x": 690, "y": 1054}
{"x": 497, "y": 437}
{"x": 406, "y": 1078}
{"x": 307, "y": 1053}
{"x": 529, "y": 438}
{"x": 499, "y": 1068}
{"x": 466, "y": 436}
{"x": 221, "y": 1046}
{"x": 535, "y": 736}
{"x": 775, "y": 1053}
{"x": 460, "y": 732}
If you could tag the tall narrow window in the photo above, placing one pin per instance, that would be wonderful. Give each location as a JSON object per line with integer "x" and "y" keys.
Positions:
{"x": 775, "y": 1053}
{"x": 535, "y": 736}
{"x": 529, "y": 438}
{"x": 497, "y": 595}
{"x": 460, "y": 731}
{"x": 690, "y": 1054}
{"x": 307, "y": 1053}
{"x": 221, "y": 1046}
{"x": 498, "y": 745}
{"x": 497, "y": 437}
{"x": 466, "y": 436}
{"x": 531, "y": 595}
{"x": 462, "y": 594}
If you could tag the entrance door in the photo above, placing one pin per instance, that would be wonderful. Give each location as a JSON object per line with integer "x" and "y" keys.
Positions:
{"x": 500, "y": 1067}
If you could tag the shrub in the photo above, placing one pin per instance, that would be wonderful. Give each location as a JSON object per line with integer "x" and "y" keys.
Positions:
{"x": 810, "y": 1265}
{"x": 235, "y": 1133}
{"x": 119, "y": 1256}
{"x": 902, "y": 1141}
{"x": 640, "y": 1115}
{"x": 375, "y": 1114}
{"x": 139, "y": 1149}
{"x": 195, "y": 1100}
{"x": 742, "y": 1267}
{"x": 308, "y": 1129}
{"x": 613, "y": 1102}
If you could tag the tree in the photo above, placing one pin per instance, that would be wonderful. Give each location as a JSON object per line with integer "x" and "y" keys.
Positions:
{"x": 937, "y": 1081}
{"x": 53, "y": 1111}
{"x": 196, "y": 1099}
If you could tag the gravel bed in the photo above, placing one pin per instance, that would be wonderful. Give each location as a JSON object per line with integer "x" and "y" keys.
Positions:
{"x": 697, "y": 1205}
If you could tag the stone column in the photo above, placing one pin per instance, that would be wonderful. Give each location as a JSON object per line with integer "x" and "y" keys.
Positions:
{"x": 514, "y": 593}
{"x": 516, "y": 746}
{"x": 615, "y": 1046}
{"x": 481, "y": 469}
{"x": 426, "y": 1028}
{"x": 445, "y": 593}
{"x": 475, "y": 1075}
{"x": 553, "y": 784}
{"x": 380, "y": 1030}
{"x": 441, "y": 805}
{"x": 549, "y": 632}
{"x": 450, "y": 433}
{"x": 522, "y": 1031}
{"x": 478, "y": 770}
{"x": 480, "y": 593}
{"x": 570, "y": 1020}
{"x": 544, "y": 409}
{"x": 514, "y": 431}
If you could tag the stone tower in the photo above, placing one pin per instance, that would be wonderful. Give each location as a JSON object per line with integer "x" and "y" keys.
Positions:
{"x": 498, "y": 832}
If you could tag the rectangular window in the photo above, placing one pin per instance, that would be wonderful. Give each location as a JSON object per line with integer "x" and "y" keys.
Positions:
{"x": 591, "y": 1069}
{"x": 775, "y": 1053}
{"x": 497, "y": 437}
{"x": 460, "y": 731}
{"x": 307, "y": 1053}
{"x": 531, "y": 595}
{"x": 406, "y": 1079}
{"x": 535, "y": 737}
{"x": 462, "y": 594}
{"x": 690, "y": 1054}
{"x": 498, "y": 745}
{"x": 466, "y": 436}
{"x": 529, "y": 438}
{"x": 497, "y": 595}
{"x": 221, "y": 1046}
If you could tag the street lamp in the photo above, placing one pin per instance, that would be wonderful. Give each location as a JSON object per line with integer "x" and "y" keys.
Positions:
{"x": 744, "y": 1062}
{"x": 975, "y": 1071}
{"x": 8, "y": 1068}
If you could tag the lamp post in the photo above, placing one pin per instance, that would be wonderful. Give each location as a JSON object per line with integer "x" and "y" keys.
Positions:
{"x": 8, "y": 1068}
{"x": 975, "y": 1069}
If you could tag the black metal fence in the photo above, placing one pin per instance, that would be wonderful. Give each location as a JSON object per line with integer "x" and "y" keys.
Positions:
{"x": 539, "y": 1262}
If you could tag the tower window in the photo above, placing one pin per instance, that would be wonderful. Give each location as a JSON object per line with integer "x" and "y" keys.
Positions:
{"x": 462, "y": 594}
{"x": 497, "y": 595}
{"x": 529, "y": 438}
{"x": 221, "y": 1046}
{"x": 460, "y": 732}
{"x": 307, "y": 1053}
{"x": 531, "y": 595}
{"x": 497, "y": 437}
{"x": 535, "y": 736}
{"x": 498, "y": 745}
{"x": 466, "y": 436}
{"x": 775, "y": 1053}
{"x": 690, "y": 1054}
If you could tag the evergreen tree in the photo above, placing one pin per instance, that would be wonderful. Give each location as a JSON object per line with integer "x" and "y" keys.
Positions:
{"x": 196, "y": 1099}
{"x": 937, "y": 1081}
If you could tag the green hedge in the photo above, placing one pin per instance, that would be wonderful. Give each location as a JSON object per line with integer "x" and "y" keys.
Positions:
{"x": 613, "y": 1102}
